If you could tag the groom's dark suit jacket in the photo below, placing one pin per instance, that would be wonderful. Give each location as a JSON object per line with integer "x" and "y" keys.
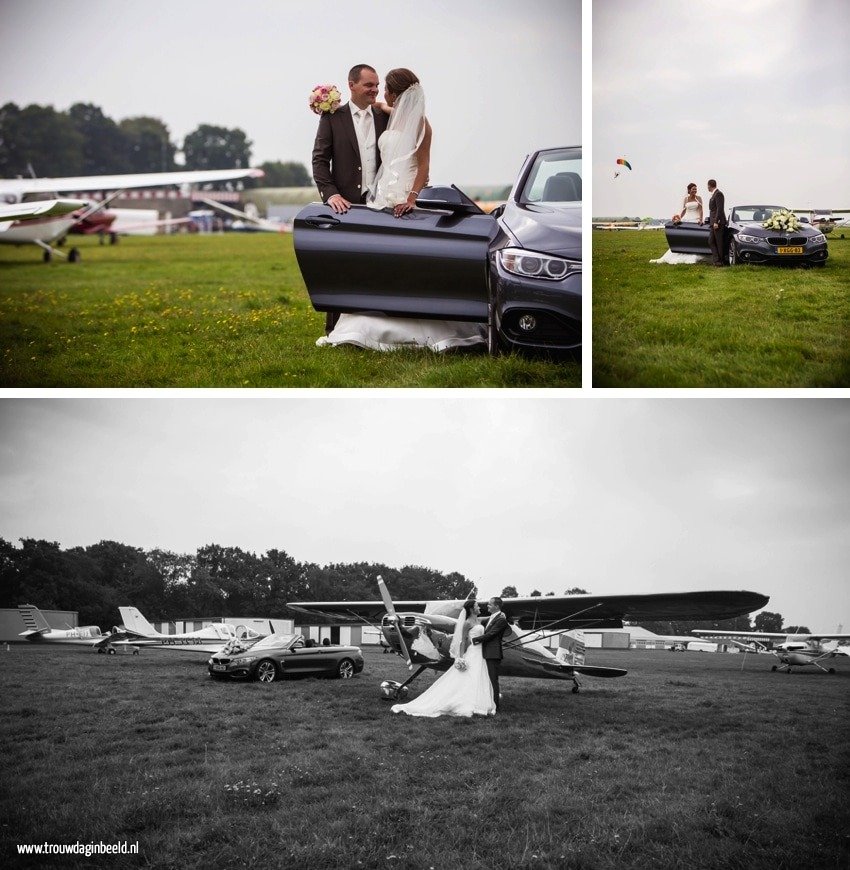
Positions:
{"x": 336, "y": 154}
{"x": 491, "y": 640}
{"x": 717, "y": 209}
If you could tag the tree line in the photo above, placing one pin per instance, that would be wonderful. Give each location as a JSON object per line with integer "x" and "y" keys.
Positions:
{"x": 39, "y": 140}
{"x": 218, "y": 581}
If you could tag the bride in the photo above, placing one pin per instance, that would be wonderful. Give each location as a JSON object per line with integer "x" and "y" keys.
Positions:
{"x": 460, "y": 691}
{"x": 405, "y": 148}
{"x": 691, "y": 213}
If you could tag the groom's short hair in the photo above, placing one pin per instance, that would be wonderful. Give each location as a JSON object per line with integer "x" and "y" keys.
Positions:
{"x": 354, "y": 72}
{"x": 712, "y": 182}
{"x": 498, "y": 601}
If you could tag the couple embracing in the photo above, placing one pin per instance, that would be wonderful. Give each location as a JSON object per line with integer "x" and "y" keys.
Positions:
{"x": 378, "y": 155}
{"x": 471, "y": 686}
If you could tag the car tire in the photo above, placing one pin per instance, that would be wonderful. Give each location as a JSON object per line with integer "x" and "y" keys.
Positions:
{"x": 266, "y": 671}
{"x": 345, "y": 669}
{"x": 494, "y": 347}
{"x": 733, "y": 254}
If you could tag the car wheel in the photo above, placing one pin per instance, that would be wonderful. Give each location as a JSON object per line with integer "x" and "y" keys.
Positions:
{"x": 345, "y": 669}
{"x": 266, "y": 671}
{"x": 493, "y": 346}
{"x": 733, "y": 254}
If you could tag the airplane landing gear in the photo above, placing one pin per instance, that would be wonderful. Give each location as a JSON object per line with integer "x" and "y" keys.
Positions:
{"x": 392, "y": 691}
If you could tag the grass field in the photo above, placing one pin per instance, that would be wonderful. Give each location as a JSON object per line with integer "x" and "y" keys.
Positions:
{"x": 204, "y": 311}
{"x": 698, "y": 326}
{"x": 689, "y": 761}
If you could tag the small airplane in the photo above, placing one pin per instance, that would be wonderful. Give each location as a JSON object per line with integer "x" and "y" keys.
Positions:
{"x": 822, "y": 216}
{"x": 137, "y": 631}
{"x": 39, "y": 631}
{"x": 250, "y": 222}
{"x": 50, "y": 228}
{"x": 421, "y": 631}
{"x": 27, "y": 211}
{"x": 792, "y": 650}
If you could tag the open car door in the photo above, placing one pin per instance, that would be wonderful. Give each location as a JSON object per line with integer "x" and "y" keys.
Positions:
{"x": 431, "y": 262}
{"x": 687, "y": 238}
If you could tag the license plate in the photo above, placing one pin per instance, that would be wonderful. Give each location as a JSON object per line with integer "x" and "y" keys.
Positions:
{"x": 795, "y": 250}
{"x": 219, "y": 667}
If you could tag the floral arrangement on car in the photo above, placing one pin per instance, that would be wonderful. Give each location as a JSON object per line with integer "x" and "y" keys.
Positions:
{"x": 324, "y": 99}
{"x": 460, "y": 664}
{"x": 782, "y": 220}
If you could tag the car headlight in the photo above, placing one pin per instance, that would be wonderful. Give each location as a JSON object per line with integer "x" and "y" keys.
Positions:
{"x": 749, "y": 240}
{"x": 530, "y": 264}
{"x": 244, "y": 660}
{"x": 819, "y": 239}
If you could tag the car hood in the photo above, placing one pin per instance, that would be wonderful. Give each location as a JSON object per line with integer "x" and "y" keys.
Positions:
{"x": 755, "y": 228}
{"x": 548, "y": 229}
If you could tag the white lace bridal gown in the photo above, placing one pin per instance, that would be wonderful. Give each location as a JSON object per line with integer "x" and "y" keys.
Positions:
{"x": 457, "y": 693}
{"x": 392, "y": 186}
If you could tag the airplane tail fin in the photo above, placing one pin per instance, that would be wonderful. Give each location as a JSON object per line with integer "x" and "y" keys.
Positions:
{"x": 572, "y": 648}
{"x": 134, "y": 620}
{"x": 34, "y": 621}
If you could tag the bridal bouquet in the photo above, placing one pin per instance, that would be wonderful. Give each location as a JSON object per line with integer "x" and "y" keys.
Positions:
{"x": 324, "y": 98}
{"x": 782, "y": 220}
{"x": 460, "y": 664}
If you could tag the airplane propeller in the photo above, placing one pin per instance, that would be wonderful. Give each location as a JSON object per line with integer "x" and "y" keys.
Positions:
{"x": 390, "y": 607}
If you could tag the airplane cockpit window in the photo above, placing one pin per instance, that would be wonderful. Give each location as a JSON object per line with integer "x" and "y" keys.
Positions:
{"x": 39, "y": 197}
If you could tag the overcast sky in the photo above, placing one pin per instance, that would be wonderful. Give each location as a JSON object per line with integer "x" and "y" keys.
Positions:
{"x": 501, "y": 78}
{"x": 754, "y": 93}
{"x": 637, "y": 495}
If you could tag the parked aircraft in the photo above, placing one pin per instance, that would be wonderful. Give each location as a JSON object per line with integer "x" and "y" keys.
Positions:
{"x": 27, "y": 211}
{"x": 251, "y": 222}
{"x": 421, "y": 631}
{"x": 47, "y": 231}
{"x": 794, "y": 650}
{"x": 137, "y": 631}
{"x": 39, "y": 631}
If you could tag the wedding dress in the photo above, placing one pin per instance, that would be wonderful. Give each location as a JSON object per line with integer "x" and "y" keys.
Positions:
{"x": 691, "y": 216}
{"x": 457, "y": 693}
{"x": 398, "y": 145}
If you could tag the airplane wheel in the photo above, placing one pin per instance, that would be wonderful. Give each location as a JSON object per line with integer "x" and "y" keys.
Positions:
{"x": 266, "y": 671}
{"x": 832, "y": 670}
{"x": 575, "y": 690}
{"x": 73, "y": 255}
{"x": 100, "y": 652}
{"x": 46, "y": 256}
{"x": 345, "y": 669}
{"x": 111, "y": 651}
{"x": 773, "y": 668}
{"x": 113, "y": 238}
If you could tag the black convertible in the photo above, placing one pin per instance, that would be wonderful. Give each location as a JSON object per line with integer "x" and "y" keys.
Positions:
{"x": 749, "y": 241}
{"x": 517, "y": 269}
{"x": 281, "y": 655}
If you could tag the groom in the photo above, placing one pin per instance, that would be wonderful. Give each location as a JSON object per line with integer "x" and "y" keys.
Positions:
{"x": 345, "y": 154}
{"x": 491, "y": 643}
{"x": 717, "y": 224}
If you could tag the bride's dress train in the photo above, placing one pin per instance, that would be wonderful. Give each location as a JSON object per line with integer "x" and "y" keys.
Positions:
{"x": 398, "y": 145}
{"x": 457, "y": 693}
{"x": 691, "y": 217}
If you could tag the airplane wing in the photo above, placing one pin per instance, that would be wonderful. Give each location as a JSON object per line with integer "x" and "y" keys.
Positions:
{"x": 125, "y": 182}
{"x": 598, "y": 611}
{"x": 24, "y": 211}
{"x": 755, "y": 635}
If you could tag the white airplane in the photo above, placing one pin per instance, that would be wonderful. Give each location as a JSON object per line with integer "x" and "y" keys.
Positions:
{"x": 48, "y": 229}
{"x": 253, "y": 221}
{"x": 38, "y": 631}
{"x": 137, "y": 631}
{"x": 27, "y": 211}
{"x": 793, "y": 650}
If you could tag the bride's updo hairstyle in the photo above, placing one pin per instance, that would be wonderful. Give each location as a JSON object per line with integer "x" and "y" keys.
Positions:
{"x": 399, "y": 80}
{"x": 470, "y": 607}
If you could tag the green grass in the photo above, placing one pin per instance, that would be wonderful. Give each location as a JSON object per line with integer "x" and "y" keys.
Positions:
{"x": 204, "y": 311}
{"x": 689, "y": 761}
{"x": 698, "y": 326}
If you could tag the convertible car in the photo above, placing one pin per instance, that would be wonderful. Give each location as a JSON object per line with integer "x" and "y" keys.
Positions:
{"x": 517, "y": 269}
{"x": 281, "y": 655}
{"x": 748, "y": 241}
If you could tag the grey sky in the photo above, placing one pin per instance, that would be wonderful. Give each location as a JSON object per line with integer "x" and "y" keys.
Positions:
{"x": 613, "y": 495}
{"x": 754, "y": 93}
{"x": 501, "y": 78}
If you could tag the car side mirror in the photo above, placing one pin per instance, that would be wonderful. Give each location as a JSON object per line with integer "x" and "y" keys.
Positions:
{"x": 446, "y": 199}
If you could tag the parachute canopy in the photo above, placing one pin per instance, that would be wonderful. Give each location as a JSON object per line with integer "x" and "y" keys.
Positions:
{"x": 621, "y": 161}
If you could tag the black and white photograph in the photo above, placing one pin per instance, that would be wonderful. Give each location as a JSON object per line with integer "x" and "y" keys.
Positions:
{"x": 425, "y": 632}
